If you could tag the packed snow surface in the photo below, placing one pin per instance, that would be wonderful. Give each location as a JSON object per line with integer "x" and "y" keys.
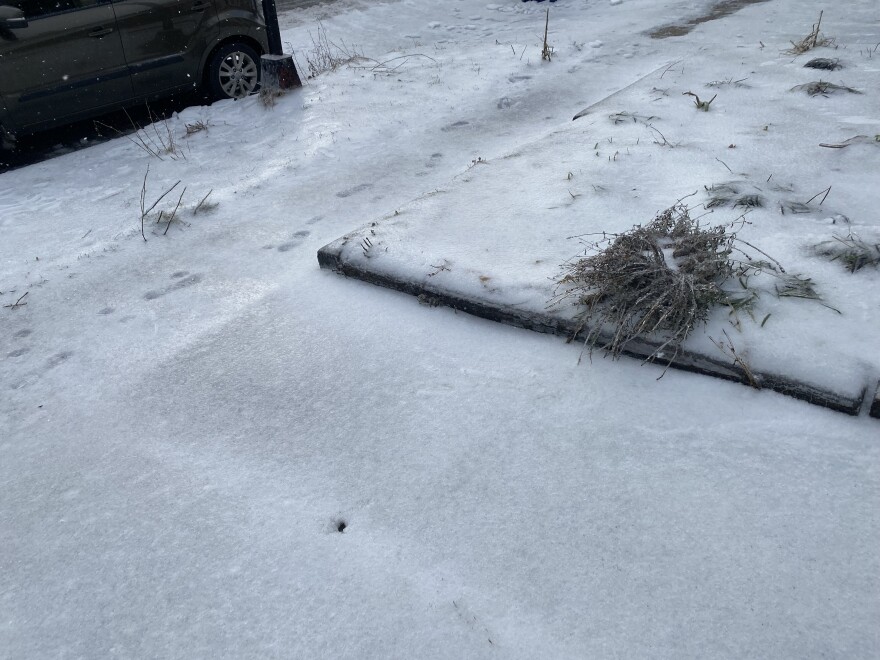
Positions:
{"x": 753, "y": 161}
{"x": 187, "y": 422}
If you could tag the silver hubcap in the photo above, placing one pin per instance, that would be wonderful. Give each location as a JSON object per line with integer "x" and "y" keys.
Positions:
{"x": 238, "y": 75}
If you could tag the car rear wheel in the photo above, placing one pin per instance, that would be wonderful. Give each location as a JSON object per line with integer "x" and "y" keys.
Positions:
{"x": 234, "y": 72}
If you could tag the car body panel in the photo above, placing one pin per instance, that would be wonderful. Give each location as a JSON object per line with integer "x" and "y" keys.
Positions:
{"x": 69, "y": 62}
{"x": 164, "y": 41}
{"x": 81, "y": 69}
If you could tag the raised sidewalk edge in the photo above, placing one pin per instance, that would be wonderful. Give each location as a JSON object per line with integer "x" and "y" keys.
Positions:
{"x": 329, "y": 257}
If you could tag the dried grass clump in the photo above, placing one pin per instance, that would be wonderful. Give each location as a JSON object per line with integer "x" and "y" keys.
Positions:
{"x": 327, "y": 55}
{"x": 269, "y": 98}
{"x": 665, "y": 278}
{"x": 156, "y": 139}
{"x": 195, "y": 127}
{"x": 813, "y": 40}
{"x": 722, "y": 194}
{"x": 824, "y": 88}
{"x": 852, "y": 251}
{"x": 824, "y": 63}
{"x": 730, "y": 194}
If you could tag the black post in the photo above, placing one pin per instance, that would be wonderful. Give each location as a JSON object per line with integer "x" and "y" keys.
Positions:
{"x": 273, "y": 32}
{"x": 277, "y": 70}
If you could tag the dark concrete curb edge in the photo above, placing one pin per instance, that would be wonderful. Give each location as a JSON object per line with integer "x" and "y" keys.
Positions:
{"x": 875, "y": 405}
{"x": 329, "y": 257}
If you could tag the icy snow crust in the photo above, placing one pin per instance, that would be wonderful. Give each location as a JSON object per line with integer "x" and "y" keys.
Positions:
{"x": 185, "y": 422}
{"x": 501, "y": 230}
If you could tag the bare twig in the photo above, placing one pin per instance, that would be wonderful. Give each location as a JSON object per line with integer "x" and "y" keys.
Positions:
{"x": 146, "y": 212}
{"x": 665, "y": 142}
{"x": 18, "y": 302}
{"x": 202, "y": 203}
{"x": 382, "y": 67}
{"x": 547, "y": 51}
{"x": 826, "y": 191}
{"x": 855, "y": 139}
{"x": 161, "y": 197}
{"x": 174, "y": 212}
{"x": 667, "y": 69}
{"x": 760, "y": 251}
{"x": 143, "y": 197}
{"x": 725, "y": 165}
{"x": 730, "y": 351}
{"x": 815, "y": 33}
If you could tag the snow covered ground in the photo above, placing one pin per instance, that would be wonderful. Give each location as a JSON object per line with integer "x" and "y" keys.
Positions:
{"x": 186, "y": 421}
{"x": 754, "y": 155}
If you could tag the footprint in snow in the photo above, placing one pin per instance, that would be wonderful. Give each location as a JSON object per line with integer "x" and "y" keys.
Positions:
{"x": 57, "y": 359}
{"x": 453, "y": 126}
{"x": 434, "y": 159}
{"x": 53, "y": 362}
{"x": 297, "y": 239}
{"x": 183, "y": 282}
{"x": 353, "y": 190}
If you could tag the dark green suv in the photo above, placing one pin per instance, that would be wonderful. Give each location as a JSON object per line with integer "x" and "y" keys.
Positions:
{"x": 66, "y": 60}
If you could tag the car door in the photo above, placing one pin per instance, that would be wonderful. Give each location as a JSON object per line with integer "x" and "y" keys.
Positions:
{"x": 66, "y": 62}
{"x": 164, "y": 41}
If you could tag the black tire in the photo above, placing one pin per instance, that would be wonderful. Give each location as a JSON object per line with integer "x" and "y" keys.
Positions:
{"x": 233, "y": 72}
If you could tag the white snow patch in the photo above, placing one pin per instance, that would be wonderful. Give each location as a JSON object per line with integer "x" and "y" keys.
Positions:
{"x": 184, "y": 420}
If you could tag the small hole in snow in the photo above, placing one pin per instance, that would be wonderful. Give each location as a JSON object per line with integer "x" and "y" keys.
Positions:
{"x": 340, "y": 526}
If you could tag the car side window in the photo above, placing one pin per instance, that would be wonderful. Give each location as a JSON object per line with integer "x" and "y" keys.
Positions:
{"x": 39, "y": 8}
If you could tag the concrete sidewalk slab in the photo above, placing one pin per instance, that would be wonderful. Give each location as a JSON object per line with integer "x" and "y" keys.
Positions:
{"x": 494, "y": 241}
{"x": 331, "y": 257}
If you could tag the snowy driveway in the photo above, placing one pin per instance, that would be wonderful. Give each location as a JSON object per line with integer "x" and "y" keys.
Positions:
{"x": 185, "y": 421}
